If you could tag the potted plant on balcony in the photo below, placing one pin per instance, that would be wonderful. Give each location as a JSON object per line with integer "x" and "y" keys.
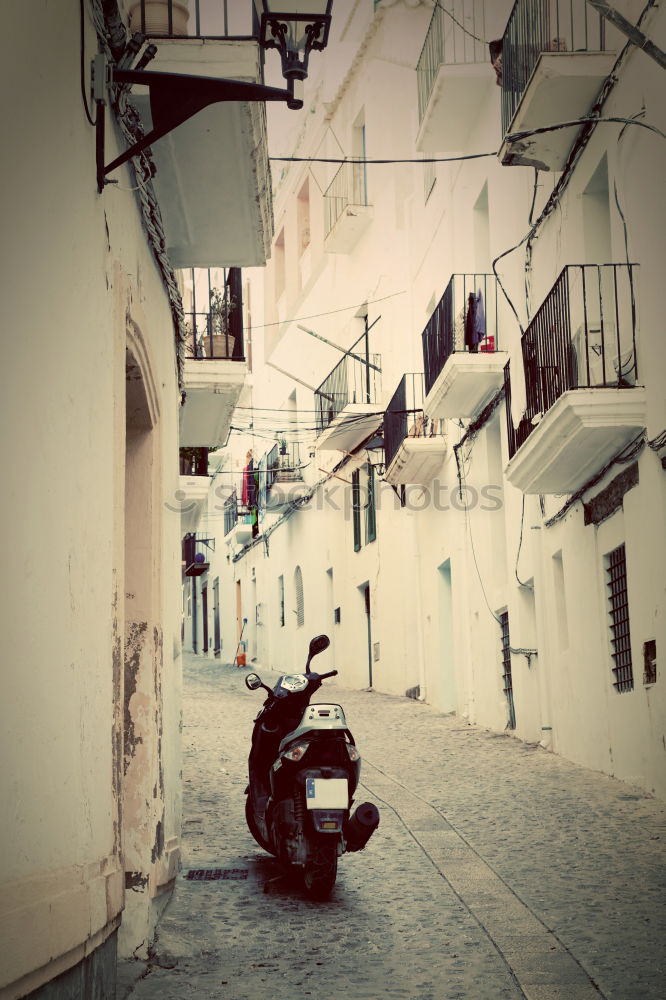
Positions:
{"x": 222, "y": 340}
{"x": 156, "y": 17}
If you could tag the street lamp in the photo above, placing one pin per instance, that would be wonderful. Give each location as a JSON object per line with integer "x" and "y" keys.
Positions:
{"x": 298, "y": 28}
{"x": 375, "y": 451}
{"x": 295, "y": 28}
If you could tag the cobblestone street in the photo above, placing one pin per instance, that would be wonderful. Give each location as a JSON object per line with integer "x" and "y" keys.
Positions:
{"x": 498, "y": 871}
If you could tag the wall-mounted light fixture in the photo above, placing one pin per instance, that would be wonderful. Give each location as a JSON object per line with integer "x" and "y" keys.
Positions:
{"x": 295, "y": 28}
{"x": 375, "y": 451}
{"x": 176, "y": 97}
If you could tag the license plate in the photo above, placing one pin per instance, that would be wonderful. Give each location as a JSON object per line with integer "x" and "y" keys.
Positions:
{"x": 327, "y": 793}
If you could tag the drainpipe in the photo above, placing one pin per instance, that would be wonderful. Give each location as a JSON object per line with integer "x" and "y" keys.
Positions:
{"x": 543, "y": 642}
{"x": 194, "y": 614}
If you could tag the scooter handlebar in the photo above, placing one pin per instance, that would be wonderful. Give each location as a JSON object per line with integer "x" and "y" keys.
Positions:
{"x": 331, "y": 673}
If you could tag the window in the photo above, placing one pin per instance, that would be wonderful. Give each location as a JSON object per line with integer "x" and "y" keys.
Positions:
{"x": 560, "y": 601}
{"x": 364, "y": 500}
{"x": 650, "y": 662}
{"x": 359, "y": 152}
{"x": 280, "y": 272}
{"x": 429, "y": 179}
{"x": 618, "y": 609}
{"x": 482, "y": 231}
{"x": 298, "y": 593}
{"x": 281, "y": 600}
{"x": 370, "y": 508}
{"x": 356, "y": 510}
{"x": 597, "y": 216}
{"x": 506, "y": 668}
{"x": 303, "y": 217}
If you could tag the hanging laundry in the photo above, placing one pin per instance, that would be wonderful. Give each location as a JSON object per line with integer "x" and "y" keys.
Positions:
{"x": 479, "y": 318}
{"x": 247, "y": 479}
{"x": 470, "y": 323}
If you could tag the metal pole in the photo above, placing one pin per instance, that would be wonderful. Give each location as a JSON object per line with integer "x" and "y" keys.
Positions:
{"x": 633, "y": 33}
{"x": 367, "y": 368}
{"x": 349, "y": 353}
{"x": 195, "y": 625}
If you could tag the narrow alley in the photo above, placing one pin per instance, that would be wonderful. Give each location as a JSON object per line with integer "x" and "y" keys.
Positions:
{"x": 498, "y": 871}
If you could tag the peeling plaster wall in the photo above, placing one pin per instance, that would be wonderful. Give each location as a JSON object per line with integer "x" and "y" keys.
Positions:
{"x": 79, "y": 263}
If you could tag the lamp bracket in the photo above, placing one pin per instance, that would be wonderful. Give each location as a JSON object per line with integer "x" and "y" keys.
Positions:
{"x": 174, "y": 98}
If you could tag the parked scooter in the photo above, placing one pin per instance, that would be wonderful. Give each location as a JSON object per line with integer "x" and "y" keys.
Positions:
{"x": 304, "y": 767}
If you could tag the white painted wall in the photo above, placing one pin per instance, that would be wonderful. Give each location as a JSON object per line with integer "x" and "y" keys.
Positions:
{"x": 440, "y": 577}
{"x": 77, "y": 277}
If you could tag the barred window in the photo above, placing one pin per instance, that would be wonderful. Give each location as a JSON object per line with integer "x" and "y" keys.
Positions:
{"x": 506, "y": 668}
{"x": 618, "y": 609}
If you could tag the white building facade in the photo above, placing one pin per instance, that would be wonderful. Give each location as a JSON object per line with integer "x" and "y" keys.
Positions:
{"x": 104, "y": 379}
{"x": 507, "y": 561}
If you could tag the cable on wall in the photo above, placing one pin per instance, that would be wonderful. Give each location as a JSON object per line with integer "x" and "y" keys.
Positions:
{"x": 82, "y": 50}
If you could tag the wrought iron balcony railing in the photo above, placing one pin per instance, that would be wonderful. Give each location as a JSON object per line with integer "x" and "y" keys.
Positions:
{"x": 283, "y": 463}
{"x": 218, "y": 332}
{"x": 196, "y": 554}
{"x": 195, "y": 18}
{"x": 404, "y": 417}
{"x": 235, "y": 512}
{"x": 465, "y": 319}
{"x": 194, "y": 461}
{"x": 353, "y": 380}
{"x": 348, "y": 187}
{"x": 450, "y": 43}
{"x": 537, "y": 26}
{"x": 582, "y": 337}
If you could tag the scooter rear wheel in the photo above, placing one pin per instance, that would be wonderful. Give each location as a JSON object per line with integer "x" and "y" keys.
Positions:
{"x": 254, "y": 829}
{"x": 321, "y": 871}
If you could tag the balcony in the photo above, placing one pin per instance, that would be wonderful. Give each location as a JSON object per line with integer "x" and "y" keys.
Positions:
{"x": 214, "y": 369}
{"x": 584, "y": 403}
{"x": 347, "y": 212}
{"x": 555, "y": 56}
{"x": 453, "y": 76}
{"x": 212, "y": 177}
{"x": 414, "y": 445}
{"x": 462, "y": 361}
{"x": 238, "y": 521}
{"x": 196, "y": 554}
{"x": 284, "y": 475}
{"x": 346, "y": 403}
{"x": 192, "y": 486}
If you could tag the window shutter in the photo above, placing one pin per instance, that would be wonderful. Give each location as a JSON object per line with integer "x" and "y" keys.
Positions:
{"x": 356, "y": 510}
{"x": 300, "y": 606}
{"x": 370, "y": 510}
{"x": 281, "y": 600}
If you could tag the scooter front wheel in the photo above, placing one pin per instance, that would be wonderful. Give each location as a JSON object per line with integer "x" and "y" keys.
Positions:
{"x": 321, "y": 870}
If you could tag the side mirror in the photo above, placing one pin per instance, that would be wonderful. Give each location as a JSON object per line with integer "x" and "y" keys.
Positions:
{"x": 253, "y": 682}
{"x": 317, "y": 645}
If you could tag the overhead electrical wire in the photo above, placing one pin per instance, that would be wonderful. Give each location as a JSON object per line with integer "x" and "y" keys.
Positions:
{"x": 510, "y": 137}
{"x": 380, "y": 162}
{"x": 471, "y": 34}
{"x": 329, "y": 312}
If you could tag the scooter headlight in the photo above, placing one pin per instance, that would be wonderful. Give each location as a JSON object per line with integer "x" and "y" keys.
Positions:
{"x": 296, "y": 753}
{"x": 353, "y": 752}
